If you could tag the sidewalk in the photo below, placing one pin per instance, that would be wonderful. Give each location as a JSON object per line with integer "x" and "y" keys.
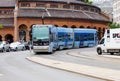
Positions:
{"x": 96, "y": 72}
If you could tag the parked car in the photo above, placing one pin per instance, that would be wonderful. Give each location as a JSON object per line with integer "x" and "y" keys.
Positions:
{"x": 17, "y": 46}
{"x": 4, "y": 46}
{"x": 26, "y": 45}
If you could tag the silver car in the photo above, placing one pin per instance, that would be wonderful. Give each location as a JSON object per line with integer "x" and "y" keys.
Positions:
{"x": 17, "y": 46}
{"x": 4, "y": 46}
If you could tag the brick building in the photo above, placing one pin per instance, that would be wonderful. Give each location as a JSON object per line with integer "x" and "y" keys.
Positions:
{"x": 18, "y": 16}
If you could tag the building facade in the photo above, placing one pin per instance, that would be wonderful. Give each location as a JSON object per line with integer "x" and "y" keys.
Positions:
{"x": 116, "y": 11}
{"x": 18, "y": 16}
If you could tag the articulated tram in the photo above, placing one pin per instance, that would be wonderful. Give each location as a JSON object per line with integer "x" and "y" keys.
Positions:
{"x": 48, "y": 38}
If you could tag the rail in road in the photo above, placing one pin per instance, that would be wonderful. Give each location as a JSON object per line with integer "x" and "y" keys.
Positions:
{"x": 89, "y": 55}
{"x": 98, "y": 72}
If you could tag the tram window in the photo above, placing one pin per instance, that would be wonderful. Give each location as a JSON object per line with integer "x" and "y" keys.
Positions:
{"x": 61, "y": 37}
{"x": 70, "y": 36}
{"x": 91, "y": 36}
{"x": 76, "y": 37}
{"x": 85, "y": 37}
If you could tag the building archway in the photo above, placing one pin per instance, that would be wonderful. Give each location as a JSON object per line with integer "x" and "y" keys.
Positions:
{"x": 22, "y": 32}
{"x": 103, "y": 31}
{"x": 9, "y": 38}
{"x": 88, "y": 27}
{"x": 65, "y": 26}
{"x": 0, "y": 38}
{"x": 81, "y": 27}
{"x": 94, "y": 28}
{"x": 56, "y": 25}
{"x": 30, "y": 32}
{"x": 99, "y": 33}
{"x": 73, "y": 26}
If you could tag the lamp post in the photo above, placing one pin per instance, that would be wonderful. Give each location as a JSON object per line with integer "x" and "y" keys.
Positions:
{"x": 42, "y": 19}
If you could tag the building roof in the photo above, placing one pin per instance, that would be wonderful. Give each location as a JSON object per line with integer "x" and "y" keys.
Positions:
{"x": 51, "y": 1}
{"x": 7, "y": 3}
{"x": 60, "y": 13}
{"x": 7, "y": 22}
{"x": 59, "y": 1}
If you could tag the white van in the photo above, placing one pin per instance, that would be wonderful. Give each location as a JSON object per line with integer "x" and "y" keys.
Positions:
{"x": 110, "y": 43}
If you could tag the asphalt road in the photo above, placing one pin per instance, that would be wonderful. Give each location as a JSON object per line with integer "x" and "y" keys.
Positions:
{"x": 15, "y": 67}
{"x": 86, "y": 56}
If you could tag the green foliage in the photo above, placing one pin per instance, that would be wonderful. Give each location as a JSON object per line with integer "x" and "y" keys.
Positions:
{"x": 89, "y": 2}
{"x": 114, "y": 25}
{"x": 1, "y": 26}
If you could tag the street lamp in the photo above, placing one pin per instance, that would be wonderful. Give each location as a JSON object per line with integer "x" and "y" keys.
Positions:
{"x": 42, "y": 19}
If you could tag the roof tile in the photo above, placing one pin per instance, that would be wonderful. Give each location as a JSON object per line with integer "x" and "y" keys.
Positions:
{"x": 57, "y": 13}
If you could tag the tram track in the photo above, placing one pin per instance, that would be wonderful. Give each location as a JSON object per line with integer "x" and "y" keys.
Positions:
{"x": 102, "y": 58}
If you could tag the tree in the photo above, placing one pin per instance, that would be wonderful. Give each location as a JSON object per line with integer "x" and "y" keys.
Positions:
{"x": 1, "y": 26}
{"x": 114, "y": 25}
{"x": 89, "y": 2}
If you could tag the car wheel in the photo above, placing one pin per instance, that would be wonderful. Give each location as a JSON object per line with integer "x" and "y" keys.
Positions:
{"x": 16, "y": 49}
{"x": 8, "y": 50}
{"x": 99, "y": 51}
{"x": 3, "y": 50}
{"x": 23, "y": 48}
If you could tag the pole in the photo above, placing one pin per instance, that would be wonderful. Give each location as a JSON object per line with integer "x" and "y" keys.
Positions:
{"x": 43, "y": 19}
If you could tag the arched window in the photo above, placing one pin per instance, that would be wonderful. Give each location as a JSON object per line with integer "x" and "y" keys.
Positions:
{"x": 25, "y": 4}
{"x": 66, "y": 6}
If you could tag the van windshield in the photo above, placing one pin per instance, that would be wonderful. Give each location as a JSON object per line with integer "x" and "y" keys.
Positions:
{"x": 102, "y": 41}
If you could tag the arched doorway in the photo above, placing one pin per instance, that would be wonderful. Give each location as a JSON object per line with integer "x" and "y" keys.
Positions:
{"x": 81, "y": 27}
{"x": 65, "y": 26}
{"x": 30, "y": 32}
{"x": 73, "y": 26}
{"x": 0, "y": 38}
{"x": 22, "y": 32}
{"x": 9, "y": 38}
{"x": 103, "y": 32}
{"x": 88, "y": 27}
{"x": 99, "y": 33}
{"x": 94, "y": 27}
{"x": 56, "y": 25}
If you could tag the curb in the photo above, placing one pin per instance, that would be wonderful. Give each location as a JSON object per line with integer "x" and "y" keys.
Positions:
{"x": 95, "y": 72}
